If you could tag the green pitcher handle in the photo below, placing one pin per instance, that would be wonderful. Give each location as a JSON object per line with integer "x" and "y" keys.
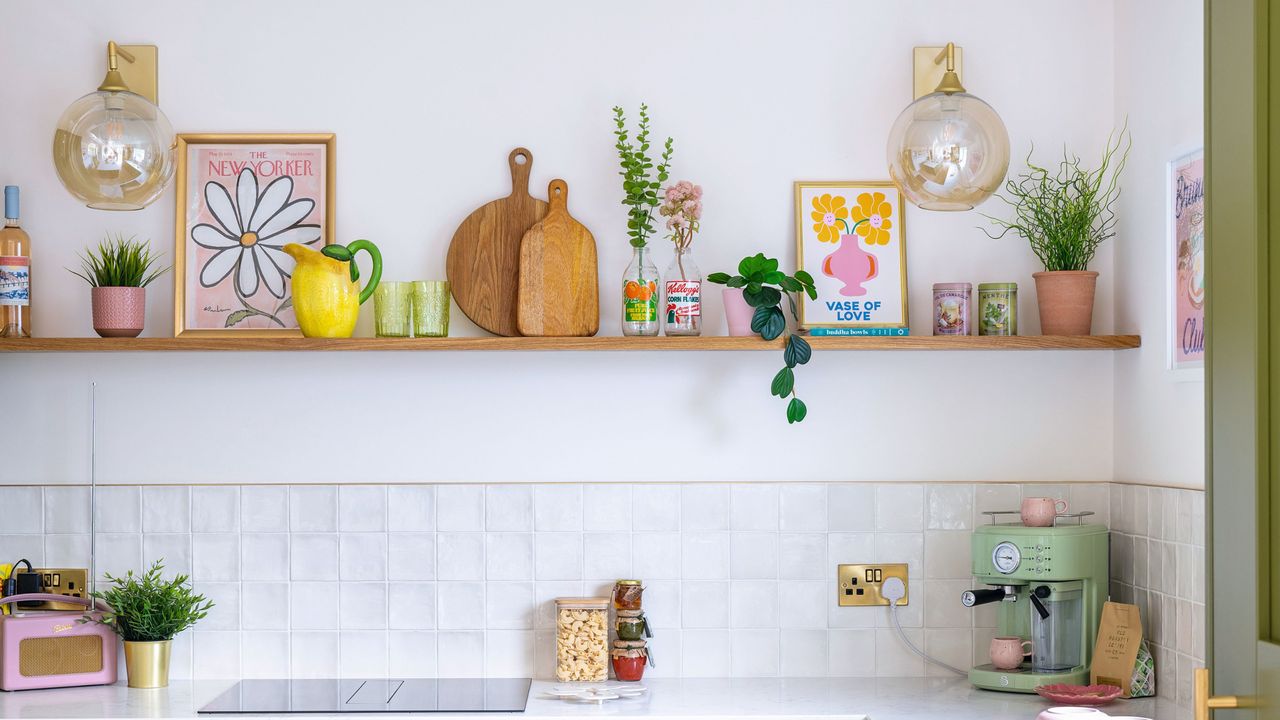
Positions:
{"x": 376, "y": 274}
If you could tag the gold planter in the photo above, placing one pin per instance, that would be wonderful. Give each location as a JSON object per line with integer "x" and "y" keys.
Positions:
{"x": 147, "y": 663}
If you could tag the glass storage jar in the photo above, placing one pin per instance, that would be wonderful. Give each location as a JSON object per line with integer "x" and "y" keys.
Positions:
{"x": 582, "y": 639}
{"x": 629, "y": 659}
{"x": 630, "y": 625}
{"x": 627, "y": 594}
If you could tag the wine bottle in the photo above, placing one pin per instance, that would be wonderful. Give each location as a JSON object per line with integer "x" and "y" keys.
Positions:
{"x": 15, "y": 271}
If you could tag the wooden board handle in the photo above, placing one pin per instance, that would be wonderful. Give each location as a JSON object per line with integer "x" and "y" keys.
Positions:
{"x": 558, "y": 196}
{"x": 521, "y": 161}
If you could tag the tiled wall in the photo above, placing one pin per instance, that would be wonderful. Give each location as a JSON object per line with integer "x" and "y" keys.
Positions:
{"x": 1157, "y": 563}
{"x": 458, "y": 579}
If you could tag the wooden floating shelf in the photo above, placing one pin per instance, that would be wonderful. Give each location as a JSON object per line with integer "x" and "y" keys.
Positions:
{"x": 607, "y": 344}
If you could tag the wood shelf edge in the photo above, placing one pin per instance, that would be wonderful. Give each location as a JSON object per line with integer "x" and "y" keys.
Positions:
{"x": 581, "y": 344}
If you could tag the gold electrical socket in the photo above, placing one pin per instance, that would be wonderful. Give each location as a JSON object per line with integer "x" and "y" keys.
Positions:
{"x": 858, "y": 585}
{"x": 60, "y": 581}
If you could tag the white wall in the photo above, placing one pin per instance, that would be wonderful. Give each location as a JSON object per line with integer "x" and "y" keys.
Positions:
{"x": 1159, "y": 71}
{"x": 427, "y": 99}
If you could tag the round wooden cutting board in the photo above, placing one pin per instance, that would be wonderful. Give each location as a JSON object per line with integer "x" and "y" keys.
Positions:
{"x": 483, "y": 264}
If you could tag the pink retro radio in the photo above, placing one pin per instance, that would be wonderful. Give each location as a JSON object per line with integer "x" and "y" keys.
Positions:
{"x": 52, "y": 648}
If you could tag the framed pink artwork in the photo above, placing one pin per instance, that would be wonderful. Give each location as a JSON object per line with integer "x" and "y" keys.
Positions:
{"x": 1186, "y": 271}
{"x": 241, "y": 199}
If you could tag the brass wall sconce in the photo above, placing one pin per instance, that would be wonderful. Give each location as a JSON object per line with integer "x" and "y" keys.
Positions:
{"x": 948, "y": 150}
{"x": 113, "y": 148}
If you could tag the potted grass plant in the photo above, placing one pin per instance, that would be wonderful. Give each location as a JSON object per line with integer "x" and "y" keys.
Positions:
{"x": 118, "y": 271}
{"x": 147, "y": 612}
{"x": 1066, "y": 214}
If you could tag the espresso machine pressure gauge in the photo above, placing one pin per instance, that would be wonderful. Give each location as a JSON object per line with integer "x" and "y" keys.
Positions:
{"x": 1006, "y": 557}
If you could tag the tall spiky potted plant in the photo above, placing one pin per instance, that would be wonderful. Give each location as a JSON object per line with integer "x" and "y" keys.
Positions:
{"x": 1066, "y": 214}
{"x": 119, "y": 271}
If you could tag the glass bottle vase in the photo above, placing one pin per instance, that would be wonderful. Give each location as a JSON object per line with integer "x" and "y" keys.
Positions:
{"x": 683, "y": 295}
{"x": 640, "y": 295}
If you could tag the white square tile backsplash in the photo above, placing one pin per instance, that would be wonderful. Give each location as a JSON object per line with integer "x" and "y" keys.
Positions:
{"x": 311, "y": 581}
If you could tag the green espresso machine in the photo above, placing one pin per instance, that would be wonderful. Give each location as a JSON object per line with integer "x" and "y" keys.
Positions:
{"x": 1050, "y": 584}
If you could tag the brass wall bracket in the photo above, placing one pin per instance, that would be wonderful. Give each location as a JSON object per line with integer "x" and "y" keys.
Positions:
{"x": 134, "y": 68}
{"x": 930, "y": 67}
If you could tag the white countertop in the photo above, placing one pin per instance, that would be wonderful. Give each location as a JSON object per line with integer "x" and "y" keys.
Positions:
{"x": 667, "y": 699}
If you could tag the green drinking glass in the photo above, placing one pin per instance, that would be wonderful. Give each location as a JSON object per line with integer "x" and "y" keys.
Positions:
{"x": 392, "y": 309}
{"x": 431, "y": 308}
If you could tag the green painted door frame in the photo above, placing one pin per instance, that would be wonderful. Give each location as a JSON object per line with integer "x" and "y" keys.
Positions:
{"x": 1242, "y": 155}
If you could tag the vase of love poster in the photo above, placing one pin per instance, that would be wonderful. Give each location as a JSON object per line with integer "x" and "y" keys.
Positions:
{"x": 850, "y": 238}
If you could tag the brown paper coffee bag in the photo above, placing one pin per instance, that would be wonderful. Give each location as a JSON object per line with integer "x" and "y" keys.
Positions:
{"x": 1116, "y": 653}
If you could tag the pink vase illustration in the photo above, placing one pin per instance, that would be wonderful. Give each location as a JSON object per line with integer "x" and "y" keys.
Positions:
{"x": 851, "y": 265}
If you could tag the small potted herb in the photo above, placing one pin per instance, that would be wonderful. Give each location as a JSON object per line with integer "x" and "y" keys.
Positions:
{"x": 1065, "y": 214}
{"x": 763, "y": 286}
{"x": 119, "y": 270}
{"x": 147, "y": 612}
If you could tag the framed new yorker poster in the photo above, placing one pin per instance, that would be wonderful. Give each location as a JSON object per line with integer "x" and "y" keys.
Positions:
{"x": 241, "y": 199}
{"x": 1186, "y": 271}
{"x": 849, "y": 237}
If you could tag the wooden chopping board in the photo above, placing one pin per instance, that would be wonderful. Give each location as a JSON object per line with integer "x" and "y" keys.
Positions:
{"x": 483, "y": 264}
{"x": 559, "y": 293}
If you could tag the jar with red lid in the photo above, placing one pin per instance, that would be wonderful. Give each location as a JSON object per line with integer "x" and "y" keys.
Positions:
{"x": 627, "y": 595}
{"x": 629, "y": 659}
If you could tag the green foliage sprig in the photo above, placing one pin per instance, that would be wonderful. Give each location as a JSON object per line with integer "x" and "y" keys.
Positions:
{"x": 637, "y": 167}
{"x": 147, "y": 608}
{"x": 119, "y": 262}
{"x": 763, "y": 287}
{"x": 1066, "y": 214}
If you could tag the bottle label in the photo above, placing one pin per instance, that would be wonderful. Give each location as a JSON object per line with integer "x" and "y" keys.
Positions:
{"x": 684, "y": 301}
{"x": 640, "y": 302}
{"x": 15, "y": 280}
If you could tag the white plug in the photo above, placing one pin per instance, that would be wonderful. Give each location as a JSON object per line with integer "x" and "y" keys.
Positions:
{"x": 893, "y": 589}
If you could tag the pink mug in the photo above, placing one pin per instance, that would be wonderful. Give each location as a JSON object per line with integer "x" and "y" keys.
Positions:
{"x": 1007, "y": 652}
{"x": 1040, "y": 511}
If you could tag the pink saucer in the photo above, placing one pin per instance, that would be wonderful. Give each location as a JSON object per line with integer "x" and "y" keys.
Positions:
{"x": 1079, "y": 694}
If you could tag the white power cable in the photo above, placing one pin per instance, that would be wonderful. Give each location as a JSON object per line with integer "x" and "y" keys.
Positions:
{"x": 894, "y": 590}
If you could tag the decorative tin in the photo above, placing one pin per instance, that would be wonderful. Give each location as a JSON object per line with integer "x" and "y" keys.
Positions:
{"x": 998, "y": 309}
{"x": 951, "y": 308}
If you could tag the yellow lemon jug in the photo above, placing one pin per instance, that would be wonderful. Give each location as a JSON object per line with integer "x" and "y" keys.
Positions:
{"x": 326, "y": 291}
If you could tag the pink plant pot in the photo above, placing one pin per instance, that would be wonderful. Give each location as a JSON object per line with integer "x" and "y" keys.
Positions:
{"x": 737, "y": 312}
{"x": 119, "y": 311}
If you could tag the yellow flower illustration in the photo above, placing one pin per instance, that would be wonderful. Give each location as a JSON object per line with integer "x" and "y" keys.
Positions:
{"x": 827, "y": 212}
{"x": 875, "y": 209}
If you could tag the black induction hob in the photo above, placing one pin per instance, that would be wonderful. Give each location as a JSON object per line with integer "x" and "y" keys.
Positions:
{"x": 455, "y": 695}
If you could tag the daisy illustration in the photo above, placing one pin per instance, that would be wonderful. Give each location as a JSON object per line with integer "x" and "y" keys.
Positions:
{"x": 250, "y": 234}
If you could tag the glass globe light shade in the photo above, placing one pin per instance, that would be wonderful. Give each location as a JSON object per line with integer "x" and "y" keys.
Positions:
{"x": 114, "y": 150}
{"x": 948, "y": 151}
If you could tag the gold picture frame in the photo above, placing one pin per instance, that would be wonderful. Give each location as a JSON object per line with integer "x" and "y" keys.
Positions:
{"x": 891, "y": 228}
{"x": 263, "y": 163}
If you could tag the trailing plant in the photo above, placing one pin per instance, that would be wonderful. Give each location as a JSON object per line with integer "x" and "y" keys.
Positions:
{"x": 638, "y": 181}
{"x": 119, "y": 262}
{"x": 1066, "y": 213}
{"x": 149, "y": 609}
{"x": 763, "y": 287}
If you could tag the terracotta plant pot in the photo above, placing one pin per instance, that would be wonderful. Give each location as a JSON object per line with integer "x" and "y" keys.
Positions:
{"x": 1066, "y": 301}
{"x": 119, "y": 311}
{"x": 737, "y": 312}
